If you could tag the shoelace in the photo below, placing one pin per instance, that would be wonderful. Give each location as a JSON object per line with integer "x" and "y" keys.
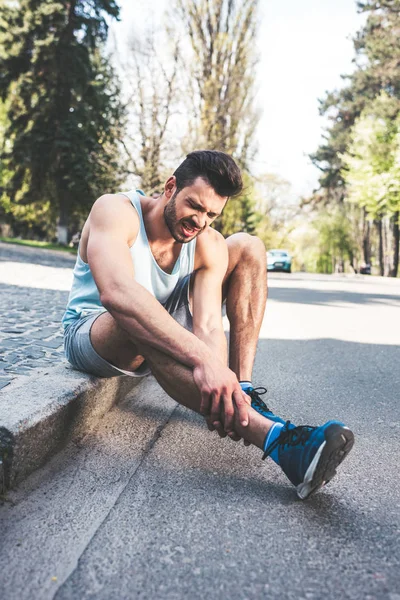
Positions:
{"x": 290, "y": 437}
{"x": 255, "y": 397}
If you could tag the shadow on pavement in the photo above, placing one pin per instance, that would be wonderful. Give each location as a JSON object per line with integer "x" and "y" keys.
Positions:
{"x": 329, "y": 297}
{"x": 36, "y": 256}
{"x": 312, "y": 380}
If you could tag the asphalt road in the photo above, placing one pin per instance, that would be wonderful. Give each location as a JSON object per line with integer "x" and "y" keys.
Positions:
{"x": 151, "y": 505}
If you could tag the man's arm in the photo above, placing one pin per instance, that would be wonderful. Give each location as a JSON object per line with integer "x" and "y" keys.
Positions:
{"x": 212, "y": 253}
{"x": 207, "y": 294}
{"x": 112, "y": 225}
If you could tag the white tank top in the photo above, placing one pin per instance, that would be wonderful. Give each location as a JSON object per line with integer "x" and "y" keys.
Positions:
{"x": 84, "y": 297}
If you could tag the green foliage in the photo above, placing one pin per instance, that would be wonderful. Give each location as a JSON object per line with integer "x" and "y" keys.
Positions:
{"x": 372, "y": 161}
{"x": 335, "y": 243}
{"x": 240, "y": 213}
{"x": 277, "y": 211}
{"x": 378, "y": 70}
{"x": 359, "y": 158}
{"x": 63, "y": 110}
{"x": 3, "y": 172}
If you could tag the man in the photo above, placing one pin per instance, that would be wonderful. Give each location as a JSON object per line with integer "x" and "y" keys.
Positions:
{"x": 149, "y": 281}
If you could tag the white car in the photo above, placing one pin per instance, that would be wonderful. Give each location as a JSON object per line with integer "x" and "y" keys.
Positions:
{"x": 279, "y": 260}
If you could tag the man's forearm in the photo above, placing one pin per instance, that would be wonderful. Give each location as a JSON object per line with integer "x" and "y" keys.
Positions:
{"x": 216, "y": 341}
{"x": 147, "y": 321}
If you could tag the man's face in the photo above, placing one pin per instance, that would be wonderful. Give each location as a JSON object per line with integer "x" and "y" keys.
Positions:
{"x": 190, "y": 211}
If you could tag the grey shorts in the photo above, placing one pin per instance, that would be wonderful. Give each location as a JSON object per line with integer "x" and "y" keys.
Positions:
{"x": 82, "y": 356}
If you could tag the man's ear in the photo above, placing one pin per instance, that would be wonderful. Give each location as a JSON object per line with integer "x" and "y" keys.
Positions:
{"x": 170, "y": 186}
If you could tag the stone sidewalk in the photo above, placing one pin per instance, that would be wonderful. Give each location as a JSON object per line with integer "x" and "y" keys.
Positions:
{"x": 44, "y": 402}
{"x": 34, "y": 288}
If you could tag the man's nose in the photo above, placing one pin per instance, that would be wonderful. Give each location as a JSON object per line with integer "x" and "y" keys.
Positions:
{"x": 201, "y": 221}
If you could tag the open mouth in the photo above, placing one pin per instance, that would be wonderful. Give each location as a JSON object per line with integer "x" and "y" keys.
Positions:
{"x": 188, "y": 230}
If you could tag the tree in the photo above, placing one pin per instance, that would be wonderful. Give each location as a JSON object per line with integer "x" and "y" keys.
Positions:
{"x": 240, "y": 213}
{"x": 3, "y": 173}
{"x": 221, "y": 67}
{"x": 64, "y": 110}
{"x": 334, "y": 240}
{"x": 377, "y": 75}
{"x": 377, "y": 69}
{"x": 276, "y": 208}
{"x": 220, "y": 85}
{"x": 372, "y": 172}
{"x": 153, "y": 99}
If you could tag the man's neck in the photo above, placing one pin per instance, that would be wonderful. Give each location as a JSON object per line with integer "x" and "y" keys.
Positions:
{"x": 157, "y": 231}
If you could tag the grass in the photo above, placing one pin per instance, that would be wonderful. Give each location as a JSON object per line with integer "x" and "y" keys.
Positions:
{"x": 35, "y": 244}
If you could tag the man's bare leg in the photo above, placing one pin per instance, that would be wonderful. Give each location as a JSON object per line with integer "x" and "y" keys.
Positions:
{"x": 113, "y": 343}
{"x": 329, "y": 444}
{"x": 245, "y": 290}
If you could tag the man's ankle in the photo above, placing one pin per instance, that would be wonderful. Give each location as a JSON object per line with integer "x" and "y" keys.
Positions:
{"x": 246, "y": 385}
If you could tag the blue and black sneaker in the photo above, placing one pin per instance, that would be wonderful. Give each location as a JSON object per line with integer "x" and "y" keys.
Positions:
{"x": 260, "y": 406}
{"x": 309, "y": 455}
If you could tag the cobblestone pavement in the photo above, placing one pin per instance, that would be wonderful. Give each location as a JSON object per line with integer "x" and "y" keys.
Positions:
{"x": 34, "y": 286}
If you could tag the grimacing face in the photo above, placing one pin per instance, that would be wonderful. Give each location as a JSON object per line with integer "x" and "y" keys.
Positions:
{"x": 191, "y": 210}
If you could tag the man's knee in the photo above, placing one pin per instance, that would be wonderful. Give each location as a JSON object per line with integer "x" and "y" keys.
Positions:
{"x": 247, "y": 247}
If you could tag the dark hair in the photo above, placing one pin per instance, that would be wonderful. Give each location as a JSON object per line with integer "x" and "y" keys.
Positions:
{"x": 217, "y": 168}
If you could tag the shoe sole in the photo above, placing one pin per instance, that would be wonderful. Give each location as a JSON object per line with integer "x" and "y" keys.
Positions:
{"x": 339, "y": 441}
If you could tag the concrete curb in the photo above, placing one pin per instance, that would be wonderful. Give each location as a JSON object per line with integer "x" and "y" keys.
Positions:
{"x": 39, "y": 414}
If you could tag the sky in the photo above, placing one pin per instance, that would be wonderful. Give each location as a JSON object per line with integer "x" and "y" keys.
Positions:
{"x": 304, "y": 47}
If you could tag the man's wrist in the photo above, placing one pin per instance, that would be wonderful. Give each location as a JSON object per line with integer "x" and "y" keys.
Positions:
{"x": 201, "y": 354}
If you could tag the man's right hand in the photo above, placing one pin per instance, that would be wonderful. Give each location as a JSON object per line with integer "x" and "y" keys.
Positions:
{"x": 221, "y": 396}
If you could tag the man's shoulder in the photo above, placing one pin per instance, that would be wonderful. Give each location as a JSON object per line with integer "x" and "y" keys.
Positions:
{"x": 116, "y": 207}
{"x": 115, "y": 211}
{"x": 108, "y": 202}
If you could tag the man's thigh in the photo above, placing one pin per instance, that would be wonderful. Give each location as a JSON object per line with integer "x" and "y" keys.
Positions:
{"x": 101, "y": 347}
{"x": 112, "y": 343}
{"x": 85, "y": 356}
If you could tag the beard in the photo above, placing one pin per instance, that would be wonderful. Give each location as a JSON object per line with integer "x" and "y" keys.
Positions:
{"x": 173, "y": 222}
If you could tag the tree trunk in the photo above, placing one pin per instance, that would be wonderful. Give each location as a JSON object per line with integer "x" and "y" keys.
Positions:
{"x": 366, "y": 240}
{"x": 396, "y": 244}
{"x": 386, "y": 245}
{"x": 351, "y": 259}
{"x": 63, "y": 103}
{"x": 63, "y": 218}
{"x": 381, "y": 263}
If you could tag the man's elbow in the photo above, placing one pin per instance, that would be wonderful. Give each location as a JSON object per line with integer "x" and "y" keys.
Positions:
{"x": 117, "y": 297}
{"x": 112, "y": 300}
{"x": 107, "y": 301}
